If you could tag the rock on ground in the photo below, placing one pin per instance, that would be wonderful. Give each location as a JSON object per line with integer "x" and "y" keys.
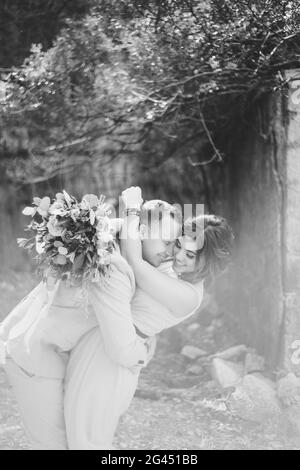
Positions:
{"x": 232, "y": 353}
{"x": 226, "y": 373}
{"x": 192, "y": 352}
{"x": 255, "y": 399}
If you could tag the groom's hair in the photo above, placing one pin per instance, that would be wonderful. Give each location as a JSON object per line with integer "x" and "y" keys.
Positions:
{"x": 155, "y": 209}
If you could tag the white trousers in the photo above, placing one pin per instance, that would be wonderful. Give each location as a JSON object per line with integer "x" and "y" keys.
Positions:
{"x": 82, "y": 411}
{"x": 40, "y": 402}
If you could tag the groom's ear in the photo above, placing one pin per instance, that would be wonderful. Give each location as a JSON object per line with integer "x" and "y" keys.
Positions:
{"x": 143, "y": 231}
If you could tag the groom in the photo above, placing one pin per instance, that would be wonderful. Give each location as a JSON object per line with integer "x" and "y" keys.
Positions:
{"x": 38, "y": 351}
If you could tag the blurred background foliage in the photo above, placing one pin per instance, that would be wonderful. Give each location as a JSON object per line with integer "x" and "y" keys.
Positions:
{"x": 155, "y": 80}
{"x": 24, "y": 23}
{"x": 98, "y": 94}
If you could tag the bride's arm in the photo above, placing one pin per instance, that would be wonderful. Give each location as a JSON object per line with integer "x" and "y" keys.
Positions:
{"x": 178, "y": 296}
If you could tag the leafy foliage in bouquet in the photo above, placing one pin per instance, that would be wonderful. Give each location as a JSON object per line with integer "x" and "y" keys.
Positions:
{"x": 71, "y": 240}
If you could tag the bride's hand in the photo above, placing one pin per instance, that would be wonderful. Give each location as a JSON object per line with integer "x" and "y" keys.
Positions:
{"x": 132, "y": 197}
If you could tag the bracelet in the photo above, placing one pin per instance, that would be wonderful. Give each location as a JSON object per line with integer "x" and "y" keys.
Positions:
{"x": 132, "y": 211}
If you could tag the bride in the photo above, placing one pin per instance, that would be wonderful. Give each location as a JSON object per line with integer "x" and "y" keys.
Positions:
{"x": 98, "y": 389}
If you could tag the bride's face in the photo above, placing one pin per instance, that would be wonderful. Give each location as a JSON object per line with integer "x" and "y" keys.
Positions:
{"x": 185, "y": 253}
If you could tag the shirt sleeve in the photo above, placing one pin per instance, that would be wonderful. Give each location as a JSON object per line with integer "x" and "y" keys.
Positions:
{"x": 110, "y": 302}
{"x": 19, "y": 312}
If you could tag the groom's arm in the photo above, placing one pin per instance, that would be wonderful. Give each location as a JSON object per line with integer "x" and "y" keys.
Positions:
{"x": 111, "y": 304}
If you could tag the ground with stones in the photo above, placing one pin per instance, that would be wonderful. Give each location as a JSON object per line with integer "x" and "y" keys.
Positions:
{"x": 177, "y": 405}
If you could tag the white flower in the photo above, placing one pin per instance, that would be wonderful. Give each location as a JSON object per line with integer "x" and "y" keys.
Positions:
{"x": 54, "y": 227}
{"x": 75, "y": 212}
{"x": 29, "y": 211}
{"x": 92, "y": 217}
{"x": 57, "y": 208}
{"x": 91, "y": 200}
{"x": 62, "y": 250}
{"x": 104, "y": 256}
{"x": 43, "y": 207}
{"x": 60, "y": 259}
{"x": 39, "y": 246}
{"x": 84, "y": 205}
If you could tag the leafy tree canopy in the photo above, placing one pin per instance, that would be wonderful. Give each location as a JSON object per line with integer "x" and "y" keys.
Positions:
{"x": 153, "y": 79}
{"x": 33, "y": 21}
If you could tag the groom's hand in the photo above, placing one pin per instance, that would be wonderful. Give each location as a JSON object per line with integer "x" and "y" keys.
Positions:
{"x": 132, "y": 197}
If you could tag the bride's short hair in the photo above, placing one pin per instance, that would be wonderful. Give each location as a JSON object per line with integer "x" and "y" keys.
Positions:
{"x": 215, "y": 238}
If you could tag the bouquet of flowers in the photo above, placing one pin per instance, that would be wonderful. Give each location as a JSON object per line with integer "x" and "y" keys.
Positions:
{"x": 71, "y": 240}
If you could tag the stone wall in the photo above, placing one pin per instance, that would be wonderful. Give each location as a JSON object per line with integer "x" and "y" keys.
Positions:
{"x": 291, "y": 268}
{"x": 253, "y": 292}
{"x": 261, "y": 294}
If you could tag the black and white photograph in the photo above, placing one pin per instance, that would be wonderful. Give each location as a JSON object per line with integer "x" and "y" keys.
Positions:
{"x": 149, "y": 227}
